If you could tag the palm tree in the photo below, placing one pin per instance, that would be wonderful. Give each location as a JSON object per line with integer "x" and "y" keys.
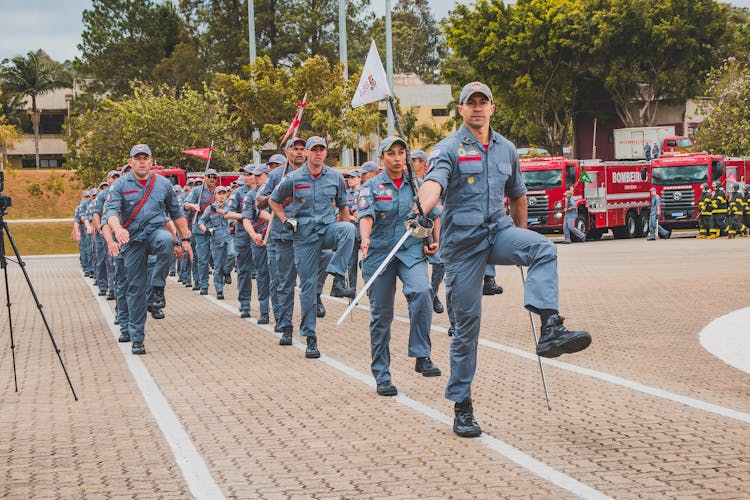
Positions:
{"x": 29, "y": 77}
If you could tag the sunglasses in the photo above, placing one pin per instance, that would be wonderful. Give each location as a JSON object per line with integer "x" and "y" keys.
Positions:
{"x": 211, "y": 176}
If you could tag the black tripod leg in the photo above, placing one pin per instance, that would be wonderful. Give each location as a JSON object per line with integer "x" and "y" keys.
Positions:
{"x": 22, "y": 265}
{"x": 4, "y": 265}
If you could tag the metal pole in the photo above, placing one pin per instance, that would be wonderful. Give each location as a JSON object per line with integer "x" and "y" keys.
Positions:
{"x": 346, "y": 154}
{"x": 389, "y": 58}
{"x": 253, "y": 56}
{"x": 536, "y": 342}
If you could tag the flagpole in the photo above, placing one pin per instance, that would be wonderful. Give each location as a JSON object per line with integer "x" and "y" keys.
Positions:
{"x": 203, "y": 184}
{"x": 389, "y": 59}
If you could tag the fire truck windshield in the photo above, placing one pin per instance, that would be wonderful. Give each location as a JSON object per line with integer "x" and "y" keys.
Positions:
{"x": 542, "y": 179}
{"x": 683, "y": 174}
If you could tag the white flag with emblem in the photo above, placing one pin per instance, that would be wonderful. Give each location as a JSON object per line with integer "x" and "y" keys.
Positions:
{"x": 373, "y": 85}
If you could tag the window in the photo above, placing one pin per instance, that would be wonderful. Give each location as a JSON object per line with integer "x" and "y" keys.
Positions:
{"x": 43, "y": 163}
{"x": 48, "y": 124}
{"x": 439, "y": 112}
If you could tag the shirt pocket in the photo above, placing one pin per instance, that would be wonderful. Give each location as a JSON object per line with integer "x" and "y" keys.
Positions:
{"x": 302, "y": 191}
{"x": 383, "y": 203}
{"x": 470, "y": 175}
{"x": 330, "y": 191}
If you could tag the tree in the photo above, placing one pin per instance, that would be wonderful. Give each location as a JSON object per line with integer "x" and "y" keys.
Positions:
{"x": 167, "y": 120}
{"x": 646, "y": 51}
{"x": 725, "y": 128}
{"x": 265, "y": 98}
{"x": 123, "y": 40}
{"x": 30, "y": 77}
{"x": 8, "y": 134}
{"x": 418, "y": 44}
{"x": 531, "y": 54}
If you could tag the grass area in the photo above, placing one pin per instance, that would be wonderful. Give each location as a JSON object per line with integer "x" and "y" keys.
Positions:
{"x": 41, "y": 194}
{"x": 41, "y": 238}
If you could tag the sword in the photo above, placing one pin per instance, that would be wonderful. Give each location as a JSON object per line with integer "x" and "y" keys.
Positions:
{"x": 377, "y": 272}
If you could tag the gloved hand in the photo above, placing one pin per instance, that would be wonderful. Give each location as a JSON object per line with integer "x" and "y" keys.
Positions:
{"x": 291, "y": 224}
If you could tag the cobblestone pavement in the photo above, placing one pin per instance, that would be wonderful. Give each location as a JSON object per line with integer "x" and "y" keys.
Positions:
{"x": 644, "y": 412}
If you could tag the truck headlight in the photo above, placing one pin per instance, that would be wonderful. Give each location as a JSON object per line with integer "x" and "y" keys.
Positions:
{"x": 558, "y": 205}
{"x": 558, "y": 215}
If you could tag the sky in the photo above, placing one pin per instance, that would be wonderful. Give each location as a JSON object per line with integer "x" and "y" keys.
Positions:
{"x": 56, "y": 25}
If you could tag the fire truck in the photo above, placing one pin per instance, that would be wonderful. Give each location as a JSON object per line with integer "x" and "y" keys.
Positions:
{"x": 609, "y": 195}
{"x": 174, "y": 174}
{"x": 677, "y": 179}
{"x": 737, "y": 171}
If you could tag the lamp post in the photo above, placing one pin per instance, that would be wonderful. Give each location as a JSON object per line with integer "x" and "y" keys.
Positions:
{"x": 346, "y": 153}
{"x": 251, "y": 44}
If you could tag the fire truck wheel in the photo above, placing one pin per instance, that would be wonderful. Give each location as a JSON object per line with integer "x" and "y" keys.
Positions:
{"x": 582, "y": 224}
{"x": 644, "y": 224}
{"x": 631, "y": 225}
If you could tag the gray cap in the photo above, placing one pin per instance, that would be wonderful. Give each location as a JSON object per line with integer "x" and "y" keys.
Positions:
{"x": 125, "y": 168}
{"x": 475, "y": 88}
{"x": 277, "y": 158}
{"x": 353, "y": 173}
{"x": 389, "y": 141}
{"x": 103, "y": 184}
{"x": 261, "y": 169}
{"x": 112, "y": 173}
{"x": 368, "y": 166}
{"x": 221, "y": 189}
{"x": 291, "y": 142}
{"x": 419, "y": 154}
{"x": 177, "y": 188}
{"x": 211, "y": 171}
{"x": 190, "y": 181}
{"x": 248, "y": 169}
{"x": 315, "y": 141}
{"x": 140, "y": 149}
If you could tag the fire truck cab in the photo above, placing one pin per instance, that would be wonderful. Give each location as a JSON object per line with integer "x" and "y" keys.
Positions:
{"x": 677, "y": 179}
{"x": 174, "y": 174}
{"x": 546, "y": 180}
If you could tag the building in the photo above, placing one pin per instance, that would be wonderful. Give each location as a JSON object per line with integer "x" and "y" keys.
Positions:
{"x": 55, "y": 106}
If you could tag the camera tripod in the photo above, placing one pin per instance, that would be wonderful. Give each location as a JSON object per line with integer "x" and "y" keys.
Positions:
{"x": 4, "y": 230}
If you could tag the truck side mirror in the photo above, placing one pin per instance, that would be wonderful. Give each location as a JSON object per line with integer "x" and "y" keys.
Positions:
{"x": 717, "y": 168}
{"x": 570, "y": 175}
{"x": 644, "y": 174}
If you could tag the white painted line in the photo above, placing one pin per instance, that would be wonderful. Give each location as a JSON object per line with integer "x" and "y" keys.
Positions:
{"x": 728, "y": 338}
{"x": 500, "y": 447}
{"x": 613, "y": 379}
{"x": 194, "y": 469}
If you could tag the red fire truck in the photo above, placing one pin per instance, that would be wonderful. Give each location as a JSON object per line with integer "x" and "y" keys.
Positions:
{"x": 677, "y": 179}
{"x": 174, "y": 174}
{"x": 737, "y": 171}
{"x": 612, "y": 195}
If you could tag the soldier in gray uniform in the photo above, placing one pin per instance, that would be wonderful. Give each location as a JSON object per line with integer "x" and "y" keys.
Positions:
{"x": 200, "y": 198}
{"x": 385, "y": 202}
{"x": 136, "y": 212}
{"x": 242, "y": 243}
{"x": 475, "y": 168}
{"x": 353, "y": 178}
{"x": 315, "y": 188}
{"x": 213, "y": 223}
{"x": 87, "y": 233}
{"x": 282, "y": 248}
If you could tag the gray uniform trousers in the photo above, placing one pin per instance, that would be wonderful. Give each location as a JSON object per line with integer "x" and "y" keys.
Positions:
{"x": 219, "y": 255}
{"x": 418, "y": 293}
{"x": 243, "y": 247}
{"x": 203, "y": 247}
{"x": 263, "y": 279}
{"x": 307, "y": 256}
{"x": 100, "y": 263}
{"x": 287, "y": 275}
{"x": 121, "y": 289}
{"x": 463, "y": 281}
{"x": 86, "y": 251}
{"x": 273, "y": 279}
{"x": 135, "y": 255}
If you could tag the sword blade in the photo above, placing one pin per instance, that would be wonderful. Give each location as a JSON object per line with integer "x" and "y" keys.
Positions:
{"x": 369, "y": 283}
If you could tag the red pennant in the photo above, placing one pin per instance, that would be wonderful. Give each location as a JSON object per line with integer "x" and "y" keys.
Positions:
{"x": 204, "y": 153}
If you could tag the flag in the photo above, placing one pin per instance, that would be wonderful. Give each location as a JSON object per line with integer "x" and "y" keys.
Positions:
{"x": 584, "y": 177}
{"x": 295, "y": 122}
{"x": 373, "y": 84}
{"x": 204, "y": 153}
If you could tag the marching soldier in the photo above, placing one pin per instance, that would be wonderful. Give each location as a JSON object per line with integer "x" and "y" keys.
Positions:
{"x": 705, "y": 208}
{"x": 199, "y": 200}
{"x": 719, "y": 213}
{"x": 184, "y": 269}
{"x": 353, "y": 178}
{"x": 385, "y": 203}
{"x": 242, "y": 243}
{"x": 135, "y": 211}
{"x": 314, "y": 189}
{"x": 475, "y": 167}
{"x": 216, "y": 227}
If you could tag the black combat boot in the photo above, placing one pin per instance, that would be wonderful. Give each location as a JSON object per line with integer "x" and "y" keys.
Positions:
{"x": 263, "y": 320}
{"x": 286, "y": 336}
{"x": 157, "y": 313}
{"x": 159, "y": 300}
{"x": 320, "y": 309}
{"x": 490, "y": 287}
{"x": 427, "y": 368}
{"x": 312, "y": 347}
{"x": 556, "y": 339}
{"x": 437, "y": 306}
{"x": 124, "y": 337}
{"x": 138, "y": 348}
{"x": 387, "y": 389}
{"x": 464, "y": 424}
{"x": 340, "y": 289}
